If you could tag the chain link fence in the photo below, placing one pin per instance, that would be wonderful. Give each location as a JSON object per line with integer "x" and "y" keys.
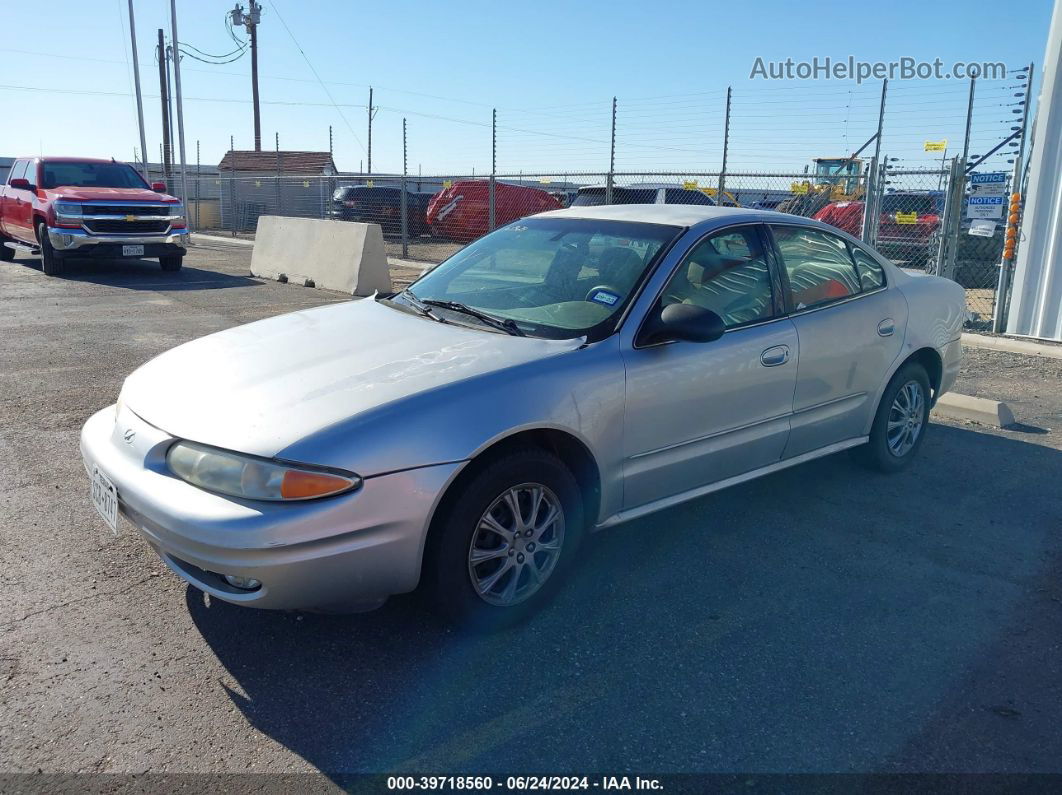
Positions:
{"x": 427, "y": 218}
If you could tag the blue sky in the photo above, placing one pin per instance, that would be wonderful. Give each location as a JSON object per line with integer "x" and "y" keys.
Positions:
{"x": 551, "y": 68}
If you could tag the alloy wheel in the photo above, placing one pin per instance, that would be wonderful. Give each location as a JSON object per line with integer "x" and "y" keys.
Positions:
{"x": 516, "y": 544}
{"x": 906, "y": 417}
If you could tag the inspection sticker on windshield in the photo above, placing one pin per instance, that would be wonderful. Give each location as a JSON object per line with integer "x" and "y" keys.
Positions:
{"x": 605, "y": 297}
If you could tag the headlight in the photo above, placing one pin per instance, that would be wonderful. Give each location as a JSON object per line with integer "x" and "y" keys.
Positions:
{"x": 68, "y": 210}
{"x": 254, "y": 478}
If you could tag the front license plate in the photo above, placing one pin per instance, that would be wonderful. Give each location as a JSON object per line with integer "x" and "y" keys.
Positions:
{"x": 105, "y": 498}
{"x": 132, "y": 251}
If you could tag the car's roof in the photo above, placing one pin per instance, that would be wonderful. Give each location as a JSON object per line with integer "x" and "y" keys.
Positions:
{"x": 672, "y": 214}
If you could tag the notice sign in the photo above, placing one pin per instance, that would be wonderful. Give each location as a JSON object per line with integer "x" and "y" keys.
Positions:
{"x": 907, "y": 218}
{"x": 937, "y": 146}
{"x": 994, "y": 184}
{"x": 982, "y": 228}
{"x": 985, "y": 207}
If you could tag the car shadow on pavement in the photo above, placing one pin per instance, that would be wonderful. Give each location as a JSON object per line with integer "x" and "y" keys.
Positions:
{"x": 141, "y": 274}
{"x": 824, "y": 618}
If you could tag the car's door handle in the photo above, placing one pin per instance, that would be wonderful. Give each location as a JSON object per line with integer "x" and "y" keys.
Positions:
{"x": 886, "y": 327}
{"x": 772, "y": 357}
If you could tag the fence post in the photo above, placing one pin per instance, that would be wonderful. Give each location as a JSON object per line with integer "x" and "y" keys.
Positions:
{"x": 492, "y": 219}
{"x": 405, "y": 199}
{"x": 610, "y": 180}
{"x": 952, "y": 219}
{"x": 726, "y": 150}
{"x": 198, "y": 184}
{"x": 278, "y": 174}
{"x": 232, "y": 185}
{"x": 969, "y": 119}
{"x": 875, "y": 179}
{"x": 999, "y": 313}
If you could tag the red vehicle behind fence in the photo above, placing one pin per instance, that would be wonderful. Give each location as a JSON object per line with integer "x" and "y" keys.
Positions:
{"x": 461, "y": 212}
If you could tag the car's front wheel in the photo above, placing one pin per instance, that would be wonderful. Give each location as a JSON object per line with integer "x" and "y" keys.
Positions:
{"x": 500, "y": 548}
{"x": 171, "y": 264}
{"x": 900, "y": 423}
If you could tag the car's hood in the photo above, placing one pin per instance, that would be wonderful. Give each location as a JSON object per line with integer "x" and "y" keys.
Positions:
{"x": 107, "y": 194}
{"x": 261, "y": 387}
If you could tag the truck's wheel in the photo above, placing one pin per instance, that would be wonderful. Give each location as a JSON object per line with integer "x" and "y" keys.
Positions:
{"x": 171, "y": 264}
{"x": 6, "y": 254}
{"x": 51, "y": 262}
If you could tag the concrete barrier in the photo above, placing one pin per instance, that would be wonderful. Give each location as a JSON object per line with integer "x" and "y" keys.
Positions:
{"x": 974, "y": 409}
{"x": 334, "y": 255}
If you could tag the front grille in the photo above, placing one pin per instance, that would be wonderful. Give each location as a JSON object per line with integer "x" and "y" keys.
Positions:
{"x": 119, "y": 226}
{"x": 126, "y": 209}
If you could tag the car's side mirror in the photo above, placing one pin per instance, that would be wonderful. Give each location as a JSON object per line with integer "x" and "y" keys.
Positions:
{"x": 21, "y": 183}
{"x": 683, "y": 323}
{"x": 158, "y": 187}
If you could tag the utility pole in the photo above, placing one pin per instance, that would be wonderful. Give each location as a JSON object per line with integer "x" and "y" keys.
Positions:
{"x": 180, "y": 104}
{"x": 139, "y": 99}
{"x": 165, "y": 108}
{"x": 372, "y": 112}
{"x": 169, "y": 102}
{"x": 250, "y": 19}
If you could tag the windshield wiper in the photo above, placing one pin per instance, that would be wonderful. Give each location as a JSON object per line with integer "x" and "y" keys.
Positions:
{"x": 508, "y": 325}
{"x": 415, "y": 303}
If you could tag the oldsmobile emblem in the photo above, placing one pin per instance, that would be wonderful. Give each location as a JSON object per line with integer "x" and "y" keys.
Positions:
{"x": 129, "y": 435}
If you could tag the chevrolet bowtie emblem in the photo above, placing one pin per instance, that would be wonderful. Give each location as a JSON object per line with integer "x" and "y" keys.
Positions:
{"x": 130, "y": 218}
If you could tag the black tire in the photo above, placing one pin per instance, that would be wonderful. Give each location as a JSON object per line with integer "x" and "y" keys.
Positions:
{"x": 6, "y": 254}
{"x": 51, "y": 261}
{"x": 447, "y": 575}
{"x": 880, "y": 452}
{"x": 171, "y": 264}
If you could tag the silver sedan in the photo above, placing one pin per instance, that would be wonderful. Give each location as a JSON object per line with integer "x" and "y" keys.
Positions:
{"x": 564, "y": 374}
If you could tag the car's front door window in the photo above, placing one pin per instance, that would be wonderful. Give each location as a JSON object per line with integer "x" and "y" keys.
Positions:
{"x": 728, "y": 274}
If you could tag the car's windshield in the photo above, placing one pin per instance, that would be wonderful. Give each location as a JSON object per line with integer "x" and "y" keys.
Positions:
{"x": 553, "y": 277}
{"x": 90, "y": 175}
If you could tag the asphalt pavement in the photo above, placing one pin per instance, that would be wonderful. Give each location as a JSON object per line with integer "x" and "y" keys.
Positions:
{"x": 821, "y": 619}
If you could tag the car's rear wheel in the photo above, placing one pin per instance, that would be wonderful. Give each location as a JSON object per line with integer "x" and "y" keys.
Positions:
{"x": 171, "y": 264}
{"x": 51, "y": 261}
{"x": 500, "y": 548}
{"x": 6, "y": 253}
{"x": 900, "y": 423}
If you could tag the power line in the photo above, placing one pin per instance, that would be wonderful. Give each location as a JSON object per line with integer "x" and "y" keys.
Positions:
{"x": 328, "y": 93}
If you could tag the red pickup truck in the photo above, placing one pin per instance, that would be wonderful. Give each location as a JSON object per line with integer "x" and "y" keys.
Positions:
{"x": 63, "y": 208}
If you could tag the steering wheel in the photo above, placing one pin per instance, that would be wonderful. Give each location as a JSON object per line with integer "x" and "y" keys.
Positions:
{"x": 606, "y": 287}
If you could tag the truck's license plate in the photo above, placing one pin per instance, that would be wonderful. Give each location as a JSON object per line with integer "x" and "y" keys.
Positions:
{"x": 132, "y": 251}
{"x": 105, "y": 498}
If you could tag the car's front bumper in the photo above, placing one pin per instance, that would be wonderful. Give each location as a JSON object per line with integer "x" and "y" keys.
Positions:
{"x": 353, "y": 550}
{"x": 78, "y": 241}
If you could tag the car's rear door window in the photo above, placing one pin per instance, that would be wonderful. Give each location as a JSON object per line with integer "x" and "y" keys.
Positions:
{"x": 817, "y": 264}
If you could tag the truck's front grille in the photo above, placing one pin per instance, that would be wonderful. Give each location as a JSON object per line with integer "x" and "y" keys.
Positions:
{"x": 120, "y": 226}
{"x": 127, "y": 209}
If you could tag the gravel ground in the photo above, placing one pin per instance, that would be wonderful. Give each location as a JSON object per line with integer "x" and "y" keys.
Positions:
{"x": 820, "y": 619}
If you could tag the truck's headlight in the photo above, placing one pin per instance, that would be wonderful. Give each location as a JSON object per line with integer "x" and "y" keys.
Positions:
{"x": 179, "y": 218}
{"x": 252, "y": 478}
{"x": 67, "y": 214}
